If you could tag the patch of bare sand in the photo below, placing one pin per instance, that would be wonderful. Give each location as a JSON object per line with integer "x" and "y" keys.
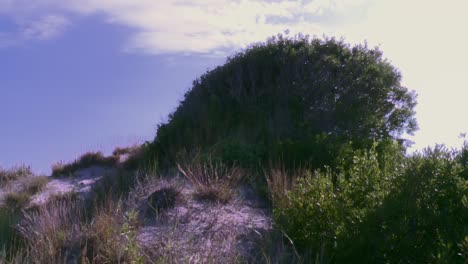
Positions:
{"x": 80, "y": 183}
{"x": 204, "y": 232}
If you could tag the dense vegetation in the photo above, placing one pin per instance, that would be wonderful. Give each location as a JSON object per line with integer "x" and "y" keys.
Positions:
{"x": 295, "y": 99}
{"x": 325, "y": 121}
{"x": 414, "y": 211}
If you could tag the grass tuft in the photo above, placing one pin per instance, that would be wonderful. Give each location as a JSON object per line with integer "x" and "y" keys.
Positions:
{"x": 14, "y": 202}
{"x": 36, "y": 184}
{"x": 9, "y": 175}
{"x": 280, "y": 181}
{"x": 213, "y": 181}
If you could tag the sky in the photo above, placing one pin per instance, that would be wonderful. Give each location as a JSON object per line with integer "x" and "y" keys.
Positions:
{"x": 86, "y": 75}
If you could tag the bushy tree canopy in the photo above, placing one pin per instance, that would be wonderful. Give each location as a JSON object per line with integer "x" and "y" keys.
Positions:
{"x": 289, "y": 93}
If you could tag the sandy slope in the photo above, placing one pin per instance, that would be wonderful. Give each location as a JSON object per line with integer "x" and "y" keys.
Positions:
{"x": 80, "y": 183}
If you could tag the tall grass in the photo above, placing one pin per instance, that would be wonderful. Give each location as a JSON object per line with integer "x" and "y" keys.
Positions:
{"x": 10, "y": 240}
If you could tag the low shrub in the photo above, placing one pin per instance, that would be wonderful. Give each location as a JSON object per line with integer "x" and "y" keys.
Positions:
{"x": 85, "y": 161}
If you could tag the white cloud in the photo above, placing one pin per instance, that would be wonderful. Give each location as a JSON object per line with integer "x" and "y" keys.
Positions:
{"x": 172, "y": 26}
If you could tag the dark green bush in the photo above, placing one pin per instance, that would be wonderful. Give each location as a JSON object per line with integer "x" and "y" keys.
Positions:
{"x": 295, "y": 99}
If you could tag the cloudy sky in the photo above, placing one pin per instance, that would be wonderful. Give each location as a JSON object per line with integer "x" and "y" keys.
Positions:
{"x": 82, "y": 75}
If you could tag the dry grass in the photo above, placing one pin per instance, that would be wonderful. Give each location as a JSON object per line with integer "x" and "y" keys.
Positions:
{"x": 15, "y": 201}
{"x": 85, "y": 161}
{"x": 36, "y": 184}
{"x": 52, "y": 231}
{"x": 213, "y": 181}
{"x": 9, "y": 175}
{"x": 65, "y": 231}
{"x": 111, "y": 237}
{"x": 61, "y": 232}
{"x": 280, "y": 181}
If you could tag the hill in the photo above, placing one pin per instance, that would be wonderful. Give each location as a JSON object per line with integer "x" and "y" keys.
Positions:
{"x": 291, "y": 152}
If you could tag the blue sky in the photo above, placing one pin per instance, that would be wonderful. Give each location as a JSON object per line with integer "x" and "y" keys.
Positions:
{"x": 83, "y": 75}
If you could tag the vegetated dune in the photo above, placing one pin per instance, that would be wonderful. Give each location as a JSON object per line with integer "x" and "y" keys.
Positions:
{"x": 172, "y": 223}
{"x": 292, "y": 152}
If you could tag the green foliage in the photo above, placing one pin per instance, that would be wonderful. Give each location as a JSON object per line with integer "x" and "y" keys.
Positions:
{"x": 423, "y": 220}
{"x": 318, "y": 212}
{"x": 129, "y": 231}
{"x": 381, "y": 212}
{"x": 299, "y": 99}
{"x": 311, "y": 215}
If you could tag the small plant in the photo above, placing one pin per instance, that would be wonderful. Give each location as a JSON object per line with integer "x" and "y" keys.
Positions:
{"x": 213, "y": 181}
{"x": 129, "y": 231}
{"x": 104, "y": 239}
{"x": 112, "y": 236}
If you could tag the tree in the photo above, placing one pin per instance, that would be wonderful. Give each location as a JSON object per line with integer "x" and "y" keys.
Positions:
{"x": 296, "y": 94}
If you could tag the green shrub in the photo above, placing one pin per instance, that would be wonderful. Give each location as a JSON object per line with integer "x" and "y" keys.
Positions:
{"x": 415, "y": 214}
{"x": 311, "y": 216}
{"x": 319, "y": 209}
{"x": 423, "y": 219}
